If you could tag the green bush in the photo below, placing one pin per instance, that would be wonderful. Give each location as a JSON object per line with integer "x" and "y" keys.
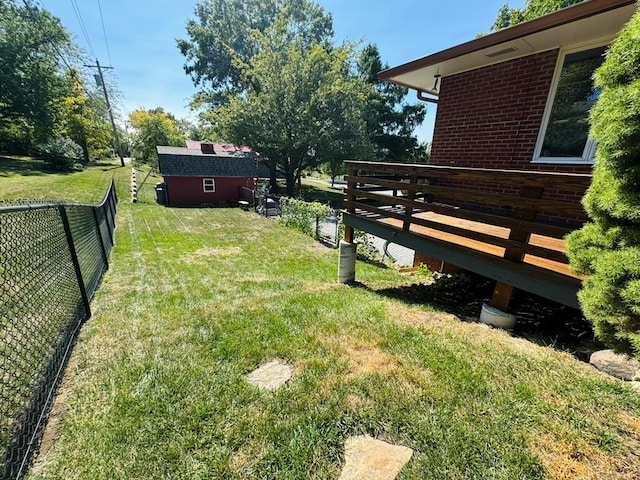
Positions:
{"x": 62, "y": 154}
{"x": 608, "y": 247}
{"x": 303, "y": 216}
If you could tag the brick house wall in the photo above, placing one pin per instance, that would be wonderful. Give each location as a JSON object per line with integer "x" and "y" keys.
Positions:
{"x": 490, "y": 118}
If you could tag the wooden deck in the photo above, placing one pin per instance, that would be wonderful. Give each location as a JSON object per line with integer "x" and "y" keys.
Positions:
{"x": 499, "y": 232}
{"x": 517, "y": 250}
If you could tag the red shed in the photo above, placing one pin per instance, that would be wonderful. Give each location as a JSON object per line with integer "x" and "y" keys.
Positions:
{"x": 195, "y": 177}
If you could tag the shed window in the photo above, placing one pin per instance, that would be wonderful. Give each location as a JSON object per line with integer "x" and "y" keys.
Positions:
{"x": 208, "y": 185}
{"x": 564, "y": 136}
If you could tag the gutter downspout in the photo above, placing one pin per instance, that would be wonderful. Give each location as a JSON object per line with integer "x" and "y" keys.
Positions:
{"x": 422, "y": 95}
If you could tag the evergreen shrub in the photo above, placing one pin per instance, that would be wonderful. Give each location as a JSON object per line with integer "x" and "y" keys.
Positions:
{"x": 607, "y": 248}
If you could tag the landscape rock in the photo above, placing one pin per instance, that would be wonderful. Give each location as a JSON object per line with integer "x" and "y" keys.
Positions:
{"x": 367, "y": 459}
{"x": 270, "y": 376}
{"x": 615, "y": 364}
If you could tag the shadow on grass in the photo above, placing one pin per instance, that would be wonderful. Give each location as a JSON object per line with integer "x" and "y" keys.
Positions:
{"x": 15, "y": 165}
{"x": 322, "y": 194}
{"x": 25, "y": 166}
{"x": 108, "y": 164}
{"x": 541, "y": 321}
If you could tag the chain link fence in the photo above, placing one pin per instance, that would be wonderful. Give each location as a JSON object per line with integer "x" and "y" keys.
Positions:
{"x": 52, "y": 256}
{"x": 327, "y": 229}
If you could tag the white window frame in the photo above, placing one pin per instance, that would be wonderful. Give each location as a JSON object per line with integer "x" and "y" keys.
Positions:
{"x": 208, "y": 185}
{"x": 588, "y": 154}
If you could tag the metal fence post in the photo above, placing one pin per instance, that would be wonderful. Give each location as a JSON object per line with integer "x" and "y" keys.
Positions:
{"x": 74, "y": 258}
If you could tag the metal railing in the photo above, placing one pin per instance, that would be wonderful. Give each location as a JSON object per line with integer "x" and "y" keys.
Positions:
{"x": 52, "y": 256}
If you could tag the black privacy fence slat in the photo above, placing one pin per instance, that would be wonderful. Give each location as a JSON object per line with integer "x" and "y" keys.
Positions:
{"x": 52, "y": 256}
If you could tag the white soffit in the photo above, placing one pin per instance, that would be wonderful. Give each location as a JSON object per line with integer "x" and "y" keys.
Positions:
{"x": 595, "y": 29}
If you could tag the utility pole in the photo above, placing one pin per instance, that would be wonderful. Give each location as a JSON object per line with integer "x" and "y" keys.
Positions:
{"x": 100, "y": 81}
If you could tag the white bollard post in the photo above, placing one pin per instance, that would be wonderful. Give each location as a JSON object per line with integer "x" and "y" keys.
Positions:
{"x": 347, "y": 261}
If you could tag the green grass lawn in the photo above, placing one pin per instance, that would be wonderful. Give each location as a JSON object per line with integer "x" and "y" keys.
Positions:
{"x": 27, "y": 178}
{"x": 197, "y": 298}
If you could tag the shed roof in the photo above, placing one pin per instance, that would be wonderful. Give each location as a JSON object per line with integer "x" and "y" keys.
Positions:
{"x": 588, "y": 21}
{"x": 185, "y": 162}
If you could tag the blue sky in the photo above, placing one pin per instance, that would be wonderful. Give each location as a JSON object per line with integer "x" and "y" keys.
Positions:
{"x": 148, "y": 68}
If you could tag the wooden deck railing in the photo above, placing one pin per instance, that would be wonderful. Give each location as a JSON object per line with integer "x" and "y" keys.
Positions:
{"x": 478, "y": 219}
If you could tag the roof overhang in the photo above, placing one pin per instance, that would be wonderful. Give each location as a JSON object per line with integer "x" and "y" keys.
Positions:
{"x": 588, "y": 22}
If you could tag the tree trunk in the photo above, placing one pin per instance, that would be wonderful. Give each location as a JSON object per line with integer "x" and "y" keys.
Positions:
{"x": 291, "y": 183}
{"x": 85, "y": 150}
{"x": 273, "y": 177}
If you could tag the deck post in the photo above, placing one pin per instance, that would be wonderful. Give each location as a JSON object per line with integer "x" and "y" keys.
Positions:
{"x": 502, "y": 292}
{"x": 408, "y": 210}
{"x": 351, "y": 197}
{"x": 347, "y": 247}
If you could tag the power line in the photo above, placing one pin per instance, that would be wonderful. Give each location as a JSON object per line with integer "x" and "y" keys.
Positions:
{"x": 104, "y": 32}
{"x": 73, "y": 71}
{"x": 83, "y": 27}
{"x": 38, "y": 20}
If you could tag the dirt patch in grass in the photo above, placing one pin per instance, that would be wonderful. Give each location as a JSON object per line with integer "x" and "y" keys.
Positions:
{"x": 209, "y": 252}
{"x": 581, "y": 462}
{"x": 55, "y": 417}
{"x": 319, "y": 287}
{"x": 366, "y": 358}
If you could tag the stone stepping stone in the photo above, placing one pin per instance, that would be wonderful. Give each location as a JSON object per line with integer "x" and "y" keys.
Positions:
{"x": 270, "y": 376}
{"x": 367, "y": 459}
{"x": 616, "y": 365}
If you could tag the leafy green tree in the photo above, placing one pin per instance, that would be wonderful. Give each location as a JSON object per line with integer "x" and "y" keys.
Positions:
{"x": 508, "y": 17}
{"x": 222, "y": 41}
{"x": 33, "y": 86}
{"x": 258, "y": 65}
{"x": 608, "y": 247}
{"x": 152, "y": 128}
{"x": 84, "y": 119}
{"x": 390, "y": 120}
{"x": 307, "y": 109}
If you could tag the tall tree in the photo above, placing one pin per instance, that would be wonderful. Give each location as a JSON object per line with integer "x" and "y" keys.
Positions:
{"x": 391, "y": 121}
{"x": 152, "y": 128}
{"x": 508, "y": 17}
{"x": 83, "y": 119}
{"x": 222, "y": 41}
{"x": 33, "y": 85}
{"x": 306, "y": 107}
{"x": 608, "y": 247}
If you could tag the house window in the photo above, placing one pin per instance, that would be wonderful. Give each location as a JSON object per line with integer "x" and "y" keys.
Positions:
{"x": 208, "y": 185}
{"x": 564, "y": 136}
